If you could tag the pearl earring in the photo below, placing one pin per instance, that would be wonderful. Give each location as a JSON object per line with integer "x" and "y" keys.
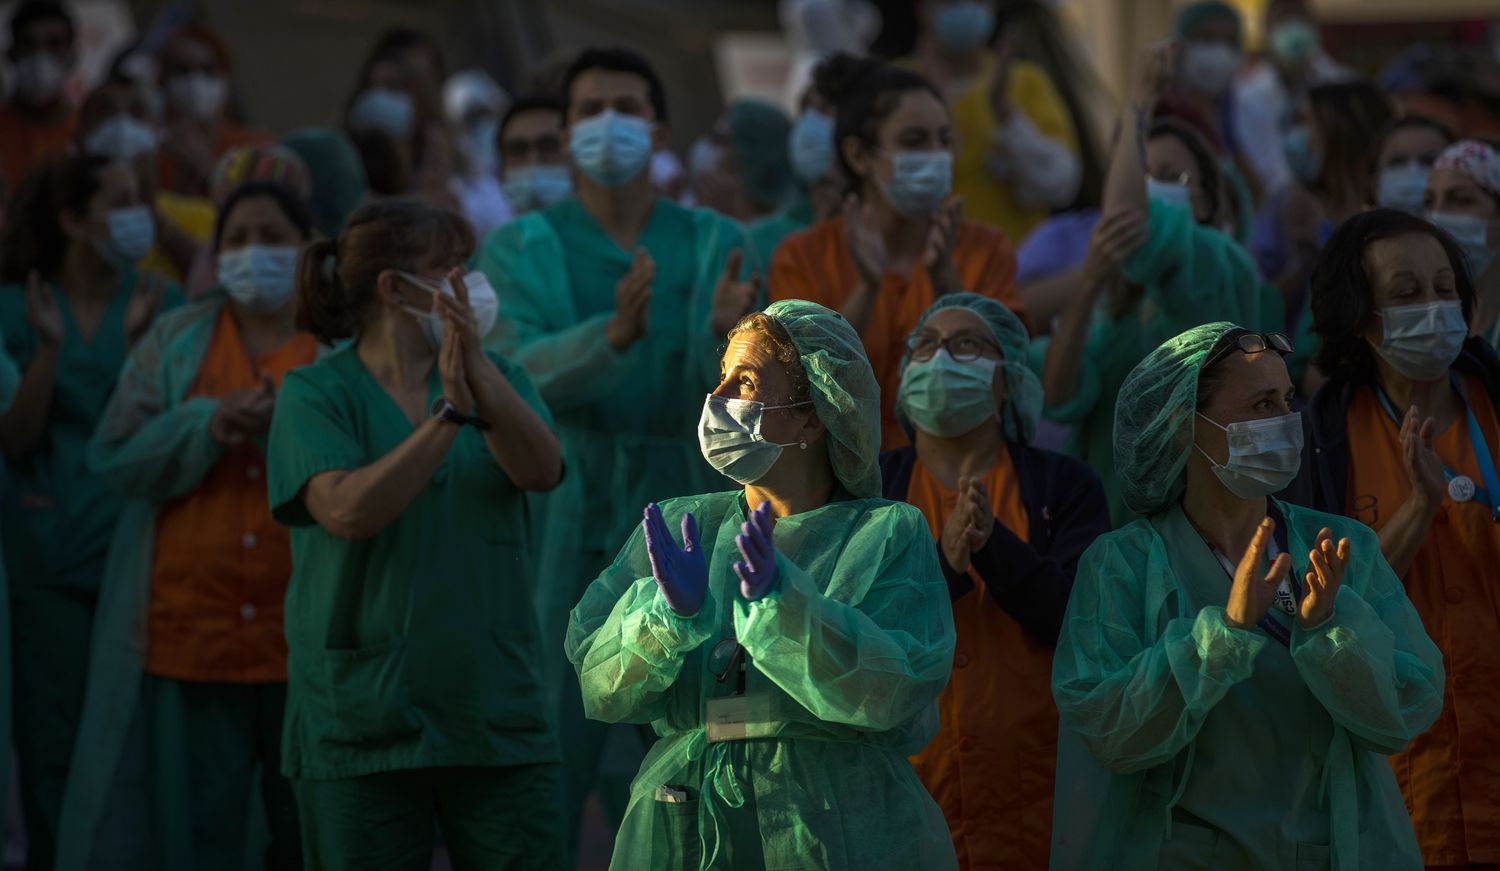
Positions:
{"x": 802, "y": 443}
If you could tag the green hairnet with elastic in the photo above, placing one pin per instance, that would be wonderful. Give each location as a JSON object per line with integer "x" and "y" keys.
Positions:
{"x": 336, "y": 172}
{"x": 1023, "y": 391}
{"x": 1194, "y": 14}
{"x": 844, "y": 391}
{"x": 1154, "y": 419}
{"x": 758, "y": 132}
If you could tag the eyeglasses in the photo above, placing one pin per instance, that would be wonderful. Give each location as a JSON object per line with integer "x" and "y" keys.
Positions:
{"x": 963, "y": 348}
{"x": 1248, "y": 342}
{"x": 723, "y": 658}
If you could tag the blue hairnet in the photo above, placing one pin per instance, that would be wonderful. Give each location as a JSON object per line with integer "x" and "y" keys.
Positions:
{"x": 1154, "y": 419}
{"x": 844, "y": 391}
{"x": 1023, "y": 404}
{"x": 1194, "y": 14}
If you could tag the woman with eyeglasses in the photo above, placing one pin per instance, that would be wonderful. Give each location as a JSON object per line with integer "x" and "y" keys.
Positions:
{"x": 1238, "y": 665}
{"x": 789, "y": 649}
{"x": 1011, "y": 522}
{"x": 1403, "y": 438}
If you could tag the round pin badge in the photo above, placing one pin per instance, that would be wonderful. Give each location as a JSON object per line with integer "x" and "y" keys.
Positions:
{"x": 1461, "y": 488}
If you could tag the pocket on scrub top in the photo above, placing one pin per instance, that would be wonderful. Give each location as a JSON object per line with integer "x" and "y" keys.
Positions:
{"x": 1191, "y": 848}
{"x": 1314, "y": 857}
{"x": 370, "y": 695}
{"x": 674, "y": 833}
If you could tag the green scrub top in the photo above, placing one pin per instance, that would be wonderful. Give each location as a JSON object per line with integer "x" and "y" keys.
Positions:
{"x": 763, "y": 236}
{"x": 416, "y": 647}
{"x": 1225, "y": 748}
{"x": 846, "y": 658}
{"x": 57, "y": 516}
{"x": 1191, "y": 275}
{"x": 628, "y": 421}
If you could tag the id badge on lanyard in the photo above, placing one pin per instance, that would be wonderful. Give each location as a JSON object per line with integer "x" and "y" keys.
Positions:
{"x": 1285, "y": 599}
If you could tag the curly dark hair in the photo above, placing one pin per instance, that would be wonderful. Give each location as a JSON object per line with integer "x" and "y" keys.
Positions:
{"x": 866, "y": 93}
{"x": 1343, "y": 299}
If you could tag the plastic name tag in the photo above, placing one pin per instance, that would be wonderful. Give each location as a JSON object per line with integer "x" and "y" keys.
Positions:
{"x": 735, "y": 718}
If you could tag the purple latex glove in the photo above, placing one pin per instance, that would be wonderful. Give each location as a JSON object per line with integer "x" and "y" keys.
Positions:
{"x": 680, "y": 572}
{"x": 758, "y": 569}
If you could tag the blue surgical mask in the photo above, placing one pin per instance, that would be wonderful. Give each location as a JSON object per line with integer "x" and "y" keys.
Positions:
{"x": 390, "y": 112}
{"x": 946, "y": 397}
{"x": 1472, "y": 235}
{"x": 259, "y": 277}
{"x": 1421, "y": 341}
{"x": 1294, "y": 41}
{"x": 964, "y": 26}
{"x": 482, "y": 301}
{"x": 1264, "y": 455}
{"x": 132, "y": 232}
{"x": 1210, "y": 67}
{"x": 920, "y": 181}
{"x": 528, "y": 188}
{"x": 1403, "y": 187}
{"x": 1305, "y": 163}
{"x": 121, "y": 137}
{"x": 1169, "y": 193}
{"x": 730, "y": 438}
{"x": 810, "y": 146}
{"x": 611, "y": 148}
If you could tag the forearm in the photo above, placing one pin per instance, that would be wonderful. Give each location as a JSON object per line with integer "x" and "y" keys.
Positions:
{"x": 22, "y": 425}
{"x": 1045, "y": 173}
{"x": 1063, "y": 363}
{"x": 361, "y": 503}
{"x": 1403, "y": 535}
{"x": 519, "y": 440}
{"x": 1047, "y": 299}
{"x": 859, "y": 305}
{"x": 1125, "y": 187}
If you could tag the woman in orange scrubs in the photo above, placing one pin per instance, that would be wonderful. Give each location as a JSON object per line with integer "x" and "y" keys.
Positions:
{"x": 1392, "y": 301}
{"x": 901, "y": 241}
{"x": 1011, "y": 522}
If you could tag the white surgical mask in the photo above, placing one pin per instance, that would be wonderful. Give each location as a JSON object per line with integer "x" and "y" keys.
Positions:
{"x": 729, "y": 437}
{"x": 1403, "y": 186}
{"x": 1210, "y": 67}
{"x": 197, "y": 95}
{"x": 810, "y": 146}
{"x": 132, "y": 232}
{"x": 121, "y": 137}
{"x": 1169, "y": 193}
{"x": 1421, "y": 341}
{"x": 384, "y": 110}
{"x": 482, "y": 300}
{"x": 1472, "y": 235}
{"x": 1264, "y": 455}
{"x": 259, "y": 277}
{"x": 920, "y": 181}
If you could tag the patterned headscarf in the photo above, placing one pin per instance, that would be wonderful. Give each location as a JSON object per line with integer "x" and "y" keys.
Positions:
{"x": 1475, "y": 160}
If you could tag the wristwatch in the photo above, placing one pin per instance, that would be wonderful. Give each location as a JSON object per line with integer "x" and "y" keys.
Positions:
{"x": 447, "y": 412}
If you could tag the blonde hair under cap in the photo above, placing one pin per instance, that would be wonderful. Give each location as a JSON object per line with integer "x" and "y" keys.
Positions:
{"x": 1154, "y": 419}
{"x": 844, "y": 391}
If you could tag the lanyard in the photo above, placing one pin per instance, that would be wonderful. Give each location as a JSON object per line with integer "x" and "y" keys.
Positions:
{"x": 1461, "y": 488}
{"x": 1288, "y": 595}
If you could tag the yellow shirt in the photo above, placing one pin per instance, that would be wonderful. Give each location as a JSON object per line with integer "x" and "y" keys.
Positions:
{"x": 194, "y": 215}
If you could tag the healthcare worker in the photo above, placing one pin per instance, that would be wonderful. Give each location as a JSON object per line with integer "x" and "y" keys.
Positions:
{"x": 197, "y": 553}
{"x": 741, "y": 169}
{"x": 10, "y": 379}
{"x": 1158, "y": 263}
{"x": 337, "y": 178}
{"x": 401, "y": 461}
{"x": 901, "y": 241}
{"x": 1011, "y": 521}
{"x": 788, "y": 648}
{"x": 1239, "y": 666}
{"x": 1463, "y": 198}
{"x": 1409, "y": 147}
{"x": 38, "y": 119}
{"x": 1403, "y": 438}
{"x": 197, "y": 78}
{"x": 616, "y": 302}
{"x": 1017, "y": 152}
{"x": 537, "y": 172}
{"x": 70, "y": 309}
{"x": 819, "y": 184}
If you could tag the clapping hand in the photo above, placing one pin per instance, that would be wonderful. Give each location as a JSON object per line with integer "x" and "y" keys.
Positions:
{"x": 757, "y": 571}
{"x": 1252, "y": 593}
{"x": 681, "y": 573}
{"x": 1323, "y": 579}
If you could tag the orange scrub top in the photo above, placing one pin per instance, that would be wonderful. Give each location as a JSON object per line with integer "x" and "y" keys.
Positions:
{"x": 991, "y": 766}
{"x": 1450, "y": 776}
{"x": 24, "y": 142}
{"x": 815, "y": 265}
{"x": 221, "y": 563}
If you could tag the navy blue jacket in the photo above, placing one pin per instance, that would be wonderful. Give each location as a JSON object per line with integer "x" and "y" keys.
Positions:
{"x": 1323, "y": 481}
{"x": 1030, "y": 578}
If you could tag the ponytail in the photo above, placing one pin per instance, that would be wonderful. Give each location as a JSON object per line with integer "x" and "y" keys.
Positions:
{"x": 323, "y": 306}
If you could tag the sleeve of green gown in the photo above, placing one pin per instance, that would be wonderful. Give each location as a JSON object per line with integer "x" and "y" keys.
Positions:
{"x": 1089, "y": 388}
{"x": 875, "y": 663}
{"x": 1137, "y": 702}
{"x": 1197, "y": 274}
{"x": 571, "y": 363}
{"x": 148, "y": 443}
{"x": 627, "y": 645}
{"x": 10, "y": 377}
{"x": 1372, "y": 665}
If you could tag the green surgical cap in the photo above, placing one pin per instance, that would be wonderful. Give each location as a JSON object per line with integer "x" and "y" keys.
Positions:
{"x": 758, "y": 132}
{"x": 338, "y": 175}
{"x": 844, "y": 391}
{"x": 1023, "y": 405}
{"x": 1154, "y": 419}
{"x": 1194, "y": 14}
